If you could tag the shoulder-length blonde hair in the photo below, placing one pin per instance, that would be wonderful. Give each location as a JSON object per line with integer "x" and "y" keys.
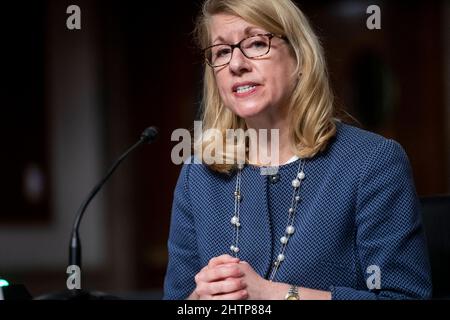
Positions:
{"x": 311, "y": 106}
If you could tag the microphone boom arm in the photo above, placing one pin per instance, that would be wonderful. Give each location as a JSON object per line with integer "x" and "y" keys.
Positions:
{"x": 148, "y": 135}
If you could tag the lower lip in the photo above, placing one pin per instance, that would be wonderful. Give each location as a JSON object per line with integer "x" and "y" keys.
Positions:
{"x": 246, "y": 94}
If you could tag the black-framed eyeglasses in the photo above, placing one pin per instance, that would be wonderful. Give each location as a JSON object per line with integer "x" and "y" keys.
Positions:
{"x": 255, "y": 46}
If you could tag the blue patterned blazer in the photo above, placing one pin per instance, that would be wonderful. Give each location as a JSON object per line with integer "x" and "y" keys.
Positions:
{"x": 358, "y": 208}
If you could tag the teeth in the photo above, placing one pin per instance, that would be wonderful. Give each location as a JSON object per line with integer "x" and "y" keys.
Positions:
{"x": 244, "y": 89}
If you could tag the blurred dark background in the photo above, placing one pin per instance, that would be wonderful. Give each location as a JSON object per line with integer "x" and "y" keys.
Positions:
{"x": 73, "y": 100}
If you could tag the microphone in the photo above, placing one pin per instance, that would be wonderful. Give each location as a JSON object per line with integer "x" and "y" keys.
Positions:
{"x": 148, "y": 136}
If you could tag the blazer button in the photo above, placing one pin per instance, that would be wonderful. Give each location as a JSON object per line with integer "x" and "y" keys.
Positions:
{"x": 274, "y": 178}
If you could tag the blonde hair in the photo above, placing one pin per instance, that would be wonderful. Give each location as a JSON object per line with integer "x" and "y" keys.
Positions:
{"x": 311, "y": 106}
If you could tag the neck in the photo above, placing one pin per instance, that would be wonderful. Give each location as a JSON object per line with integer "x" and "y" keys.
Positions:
{"x": 284, "y": 151}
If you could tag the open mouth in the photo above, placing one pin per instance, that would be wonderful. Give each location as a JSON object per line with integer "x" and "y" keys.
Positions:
{"x": 245, "y": 89}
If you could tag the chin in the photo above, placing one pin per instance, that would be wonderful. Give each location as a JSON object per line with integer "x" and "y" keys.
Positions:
{"x": 247, "y": 115}
{"x": 248, "y": 111}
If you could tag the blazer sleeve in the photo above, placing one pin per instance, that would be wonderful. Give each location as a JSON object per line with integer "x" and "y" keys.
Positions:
{"x": 389, "y": 232}
{"x": 182, "y": 246}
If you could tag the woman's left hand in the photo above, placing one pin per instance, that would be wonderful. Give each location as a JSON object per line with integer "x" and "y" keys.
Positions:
{"x": 259, "y": 288}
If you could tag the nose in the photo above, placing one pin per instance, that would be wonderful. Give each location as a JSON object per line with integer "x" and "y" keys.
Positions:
{"x": 239, "y": 63}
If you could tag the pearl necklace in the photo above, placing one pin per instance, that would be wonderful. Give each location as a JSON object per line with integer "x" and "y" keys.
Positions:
{"x": 290, "y": 229}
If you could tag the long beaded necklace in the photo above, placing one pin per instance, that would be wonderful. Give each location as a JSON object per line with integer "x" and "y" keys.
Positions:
{"x": 290, "y": 229}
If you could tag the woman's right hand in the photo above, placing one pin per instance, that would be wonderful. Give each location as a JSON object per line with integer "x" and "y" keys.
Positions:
{"x": 221, "y": 279}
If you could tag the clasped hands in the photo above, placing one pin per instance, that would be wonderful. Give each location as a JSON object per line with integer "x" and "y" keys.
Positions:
{"x": 229, "y": 278}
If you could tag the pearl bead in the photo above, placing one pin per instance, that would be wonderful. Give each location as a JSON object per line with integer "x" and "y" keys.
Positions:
{"x": 280, "y": 257}
{"x": 276, "y": 263}
{"x": 301, "y": 175}
{"x": 234, "y": 220}
{"x": 290, "y": 230}
{"x": 296, "y": 183}
{"x": 284, "y": 240}
{"x": 291, "y": 210}
{"x": 234, "y": 249}
{"x": 297, "y": 198}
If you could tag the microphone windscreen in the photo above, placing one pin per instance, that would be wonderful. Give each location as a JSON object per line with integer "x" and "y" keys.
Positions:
{"x": 149, "y": 135}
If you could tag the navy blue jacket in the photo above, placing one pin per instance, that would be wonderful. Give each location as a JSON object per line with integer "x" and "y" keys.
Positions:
{"x": 358, "y": 208}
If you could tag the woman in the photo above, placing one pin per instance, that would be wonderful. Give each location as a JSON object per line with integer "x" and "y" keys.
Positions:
{"x": 339, "y": 220}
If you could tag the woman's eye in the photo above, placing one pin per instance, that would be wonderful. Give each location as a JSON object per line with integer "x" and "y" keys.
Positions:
{"x": 222, "y": 53}
{"x": 258, "y": 44}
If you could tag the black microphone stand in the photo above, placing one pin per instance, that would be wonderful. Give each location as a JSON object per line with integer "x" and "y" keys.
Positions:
{"x": 148, "y": 136}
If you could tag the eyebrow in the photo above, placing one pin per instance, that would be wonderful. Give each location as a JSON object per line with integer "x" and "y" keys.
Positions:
{"x": 247, "y": 32}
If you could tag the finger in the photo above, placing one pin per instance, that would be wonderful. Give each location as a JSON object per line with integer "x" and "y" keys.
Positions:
{"x": 228, "y": 285}
{"x": 225, "y": 258}
{"x": 220, "y": 287}
{"x": 200, "y": 275}
{"x": 220, "y": 272}
{"x": 237, "y": 295}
